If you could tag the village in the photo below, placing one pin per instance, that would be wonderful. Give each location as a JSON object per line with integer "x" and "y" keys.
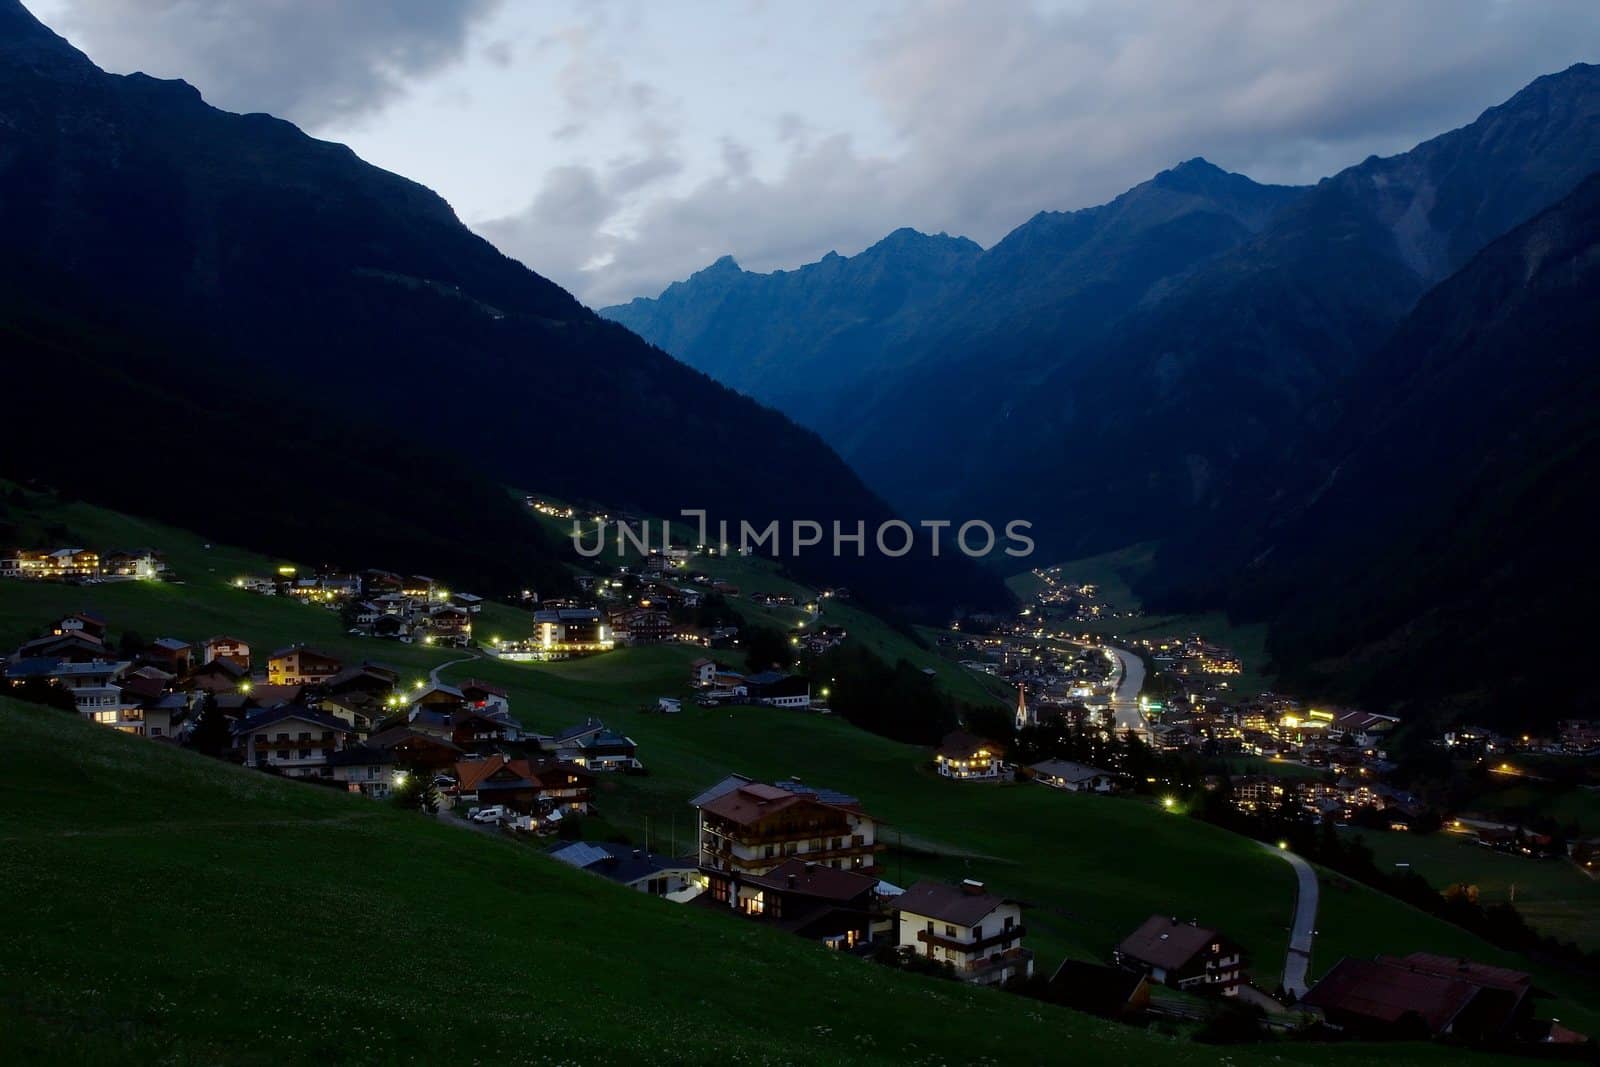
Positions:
{"x": 792, "y": 854}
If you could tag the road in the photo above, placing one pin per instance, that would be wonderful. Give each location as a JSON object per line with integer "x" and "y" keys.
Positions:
{"x": 1125, "y": 701}
{"x": 433, "y": 675}
{"x": 1304, "y": 927}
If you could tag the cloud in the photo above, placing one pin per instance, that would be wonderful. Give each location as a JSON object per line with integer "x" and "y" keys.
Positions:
{"x": 1002, "y": 110}
{"x": 311, "y": 62}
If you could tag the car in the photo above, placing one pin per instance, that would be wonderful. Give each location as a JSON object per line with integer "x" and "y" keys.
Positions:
{"x": 491, "y": 814}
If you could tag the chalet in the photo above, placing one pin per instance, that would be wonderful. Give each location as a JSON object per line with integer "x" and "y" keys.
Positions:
{"x": 218, "y": 676}
{"x": 90, "y": 625}
{"x": 233, "y": 649}
{"x": 69, "y": 648}
{"x": 779, "y": 690}
{"x": 1182, "y": 955}
{"x": 564, "y": 632}
{"x": 644, "y": 872}
{"x": 372, "y": 680}
{"x": 592, "y": 746}
{"x": 817, "y": 902}
{"x": 486, "y": 697}
{"x": 642, "y": 626}
{"x": 372, "y": 772}
{"x": 1422, "y": 995}
{"x": 295, "y": 741}
{"x": 748, "y": 827}
{"x": 376, "y": 583}
{"x": 525, "y": 785}
{"x": 169, "y": 654}
{"x": 415, "y": 750}
{"x": 1108, "y": 992}
{"x": 166, "y": 717}
{"x": 469, "y": 602}
{"x": 299, "y": 665}
{"x": 365, "y": 613}
{"x": 703, "y": 673}
{"x": 437, "y": 697}
{"x": 450, "y": 625}
{"x": 1073, "y": 777}
{"x": 979, "y": 935}
{"x": 966, "y": 757}
{"x": 393, "y": 627}
{"x": 357, "y": 710}
{"x": 471, "y": 729}
{"x": 143, "y": 563}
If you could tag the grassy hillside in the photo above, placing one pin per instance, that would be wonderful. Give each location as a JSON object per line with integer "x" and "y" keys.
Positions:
{"x": 1091, "y": 868}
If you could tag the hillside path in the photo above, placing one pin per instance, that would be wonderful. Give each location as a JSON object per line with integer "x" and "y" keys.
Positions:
{"x": 1304, "y": 927}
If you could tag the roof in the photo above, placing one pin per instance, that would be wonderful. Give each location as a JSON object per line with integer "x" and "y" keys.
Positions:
{"x": 361, "y": 756}
{"x": 619, "y": 863}
{"x": 589, "y": 726}
{"x": 33, "y": 667}
{"x": 480, "y": 686}
{"x": 752, "y": 803}
{"x": 1483, "y": 974}
{"x": 1069, "y": 771}
{"x": 814, "y": 880}
{"x": 727, "y": 785}
{"x": 171, "y": 644}
{"x": 1094, "y": 987}
{"x": 285, "y": 712}
{"x": 964, "y": 905}
{"x": 1165, "y": 942}
{"x": 1387, "y": 991}
{"x": 822, "y": 793}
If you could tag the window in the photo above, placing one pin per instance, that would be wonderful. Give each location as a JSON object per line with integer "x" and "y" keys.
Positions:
{"x": 949, "y": 930}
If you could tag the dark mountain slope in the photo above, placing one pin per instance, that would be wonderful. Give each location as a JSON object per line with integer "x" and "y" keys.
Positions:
{"x": 278, "y": 282}
{"x": 898, "y": 330}
{"x": 1193, "y": 400}
{"x": 794, "y": 338}
{"x": 1441, "y": 548}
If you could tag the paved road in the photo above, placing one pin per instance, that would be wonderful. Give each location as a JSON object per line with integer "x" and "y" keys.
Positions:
{"x": 1125, "y": 701}
{"x": 1304, "y": 927}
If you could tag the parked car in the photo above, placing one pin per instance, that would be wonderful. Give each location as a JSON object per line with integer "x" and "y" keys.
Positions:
{"x": 490, "y": 814}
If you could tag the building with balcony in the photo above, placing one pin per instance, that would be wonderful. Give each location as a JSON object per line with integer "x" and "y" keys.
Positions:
{"x": 1183, "y": 955}
{"x": 979, "y": 935}
{"x": 298, "y": 665}
{"x": 292, "y": 740}
{"x": 750, "y": 828}
{"x": 967, "y": 758}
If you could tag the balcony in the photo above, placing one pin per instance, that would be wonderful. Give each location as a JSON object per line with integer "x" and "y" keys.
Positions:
{"x": 959, "y": 945}
{"x": 1019, "y": 958}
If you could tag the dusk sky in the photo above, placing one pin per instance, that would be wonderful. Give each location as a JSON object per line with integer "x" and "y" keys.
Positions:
{"x": 616, "y": 146}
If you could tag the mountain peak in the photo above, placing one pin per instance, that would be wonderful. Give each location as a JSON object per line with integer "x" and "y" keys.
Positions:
{"x": 724, "y": 264}
{"x": 28, "y": 43}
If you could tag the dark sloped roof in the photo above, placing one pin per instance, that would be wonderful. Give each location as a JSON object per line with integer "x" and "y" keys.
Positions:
{"x": 1165, "y": 942}
{"x": 947, "y": 903}
{"x": 814, "y": 880}
{"x": 1386, "y": 991}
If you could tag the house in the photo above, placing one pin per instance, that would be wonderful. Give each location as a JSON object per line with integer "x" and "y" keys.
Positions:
{"x": 167, "y": 716}
{"x": 371, "y": 680}
{"x": 591, "y": 745}
{"x": 703, "y": 673}
{"x": 820, "y": 903}
{"x": 415, "y": 750}
{"x": 218, "y": 676}
{"x": 69, "y": 648}
{"x": 393, "y": 627}
{"x": 90, "y": 625}
{"x": 473, "y": 729}
{"x": 372, "y": 772}
{"x": 644, "y": 872}
{"x": 563, "y": 632}
{"x": 1422, "y": 995}
{"x": 299, "y": 665}
{"x": 751, "y": 828}
{"x": 449, "y": 625}
{"x": 778, "y": 689}
{"x": 365, "y": 613}
{"x": 143, "y": 563}
{"x": 977, "y": 933}
{"x": 1182, "y": 955}
{"x": 486, "y": 697}
{"x": 1108, "y": 992}
{"x": 470, "y": 602}
{"x": 295, "y": 741}
{"x": 1073, "y": 777}
{"x": 524, "y": 785}
{"x": 169, "y": 654}
{"x": 969, "y": 758}
{"x": 233, "y": 649}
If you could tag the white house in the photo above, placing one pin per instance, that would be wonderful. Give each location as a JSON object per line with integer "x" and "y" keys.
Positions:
{"x": 1073, "y": 777}
{"x": 977, "y": 933}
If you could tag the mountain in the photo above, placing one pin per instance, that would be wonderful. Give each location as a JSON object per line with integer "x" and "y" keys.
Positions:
{"x": 823, "y": 341}
{"x": 1190, "y": 401}
{"x": 1438, "y": 548}
{"x": 794, "y": 338}
{"x": 291, "y": 339}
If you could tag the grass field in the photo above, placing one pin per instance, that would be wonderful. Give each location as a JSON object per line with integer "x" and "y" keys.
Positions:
{"x": 156, "y": 906}
{"x": 1570, "y": 806}
{"x": 1090, "y": 868}
{"x": 1554, "y": 896}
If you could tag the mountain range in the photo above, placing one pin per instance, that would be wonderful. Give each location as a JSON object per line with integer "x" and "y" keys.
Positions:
{"x": 1173, "y": 365}
{"x": 260, "y": 336}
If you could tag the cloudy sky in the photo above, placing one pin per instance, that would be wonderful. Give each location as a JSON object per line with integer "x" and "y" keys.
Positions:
{"x": 618, "y": 145}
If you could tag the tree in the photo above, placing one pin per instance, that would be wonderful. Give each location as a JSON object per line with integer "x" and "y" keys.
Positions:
{"x": 212, "y": 733}
{"x": 415, "y": 791}
{"x": 766, "y": 649}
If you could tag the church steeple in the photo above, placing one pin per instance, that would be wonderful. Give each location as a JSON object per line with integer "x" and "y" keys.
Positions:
{"x": 1022, "y": 708}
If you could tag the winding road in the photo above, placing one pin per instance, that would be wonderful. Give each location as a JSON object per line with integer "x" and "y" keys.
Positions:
{"x": 1304, "y": 927}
